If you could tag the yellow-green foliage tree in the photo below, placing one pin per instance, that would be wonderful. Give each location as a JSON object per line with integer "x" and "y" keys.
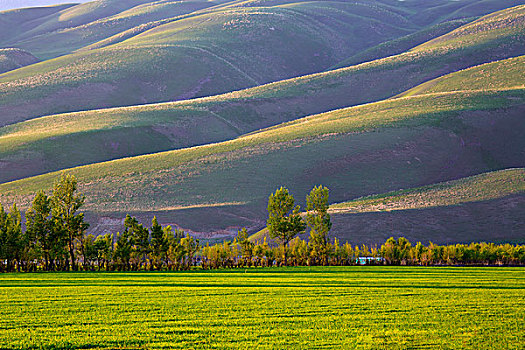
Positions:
{"x": 318, "y": 220}
{"x": 284, "y": 219}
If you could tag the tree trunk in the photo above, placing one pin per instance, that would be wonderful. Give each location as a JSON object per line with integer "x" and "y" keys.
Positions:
{"x": 46, "y": 261}
{"x": 72, "y": 254}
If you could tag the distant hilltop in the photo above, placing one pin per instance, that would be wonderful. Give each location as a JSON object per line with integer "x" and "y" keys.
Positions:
{"x": 15, "y": 4}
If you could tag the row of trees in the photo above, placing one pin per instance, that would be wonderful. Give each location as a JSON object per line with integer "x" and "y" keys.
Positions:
{"x": 55, "y": 239}
{"x": 240, "y": 253}
{"x": 53, "y": 227}
{"x": 140, "y": 248}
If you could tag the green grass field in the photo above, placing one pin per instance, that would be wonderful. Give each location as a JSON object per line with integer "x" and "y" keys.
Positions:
{"x": 328, "y": 308}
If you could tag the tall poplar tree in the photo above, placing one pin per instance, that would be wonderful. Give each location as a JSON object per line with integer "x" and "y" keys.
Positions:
{"x": 65, "y": 202}
{"x": 284, "y": 219}
{"x": 318, "y": 220}
{"x": 159, "y": 244}
{"x": 40, "y": 226}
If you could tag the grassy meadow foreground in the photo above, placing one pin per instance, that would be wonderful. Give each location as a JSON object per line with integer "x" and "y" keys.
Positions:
{"x": 330, "y": 307}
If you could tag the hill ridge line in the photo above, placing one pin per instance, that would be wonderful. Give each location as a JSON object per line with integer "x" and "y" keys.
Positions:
{"x": 250, "y": 138}
{"x": 338, "y": 208}
{"x": 299, "y": 120}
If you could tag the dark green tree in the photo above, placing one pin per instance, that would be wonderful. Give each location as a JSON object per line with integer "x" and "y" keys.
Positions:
{"x": 175, "y": 253}
{"x": 284, "y": 220}
{"x": 11, "y": 238}
{"x": 123, "y": 249}
{"x": 159, "y": 244}
{"x": 104, "y": 248}
{"x": 141, "y": 243}
{"x": 318, "y": 220}
{"x": 89, "y": 251}
{"x": 65, "y": 203}
{"x": 40, "y": 227}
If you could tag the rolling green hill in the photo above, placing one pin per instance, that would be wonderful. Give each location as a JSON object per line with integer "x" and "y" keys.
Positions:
{"x": 196, "y": 111}
{"x": 18, "y": 4}
{"x": 454, "y": 211}
{"x": 379, "y": 147}
{"x": 33, "y": 147}
{"x": 75, "y": 28}
{"x": 195, "y": 56}
{"x": 16, "y": 22}
{"x": 62, "y": 19}
{"x": 494, "y": 75}
{"x": 71, "y": 27}
{"x": 487, "y": 186}
{"x": 11, "y": 59}
{"x": 140, "y": 69}
{"x": 405, "y": 43}
{"x": 487, "y": 207}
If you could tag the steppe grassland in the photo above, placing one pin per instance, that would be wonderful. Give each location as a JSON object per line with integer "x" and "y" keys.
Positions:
{"x": 491, "y": 76}
{"x": 426, "y": 110}
{"x": 415, "y": 67}
{"x": 331, "y": 307}
{"x": 482, "y": 30}
{"x": 471, "y": 189}
{"x": 495, "y": 75}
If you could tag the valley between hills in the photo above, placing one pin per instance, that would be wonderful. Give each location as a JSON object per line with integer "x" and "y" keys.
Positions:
{"x": 410, "y": 112}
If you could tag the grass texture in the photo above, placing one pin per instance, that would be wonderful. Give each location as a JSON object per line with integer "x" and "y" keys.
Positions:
{"x": 331, "y": 308}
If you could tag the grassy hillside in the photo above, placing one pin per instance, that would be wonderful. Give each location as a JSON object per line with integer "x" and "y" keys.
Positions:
{"x": 442, "y": 11}
{"x": 496, "y": 220}
{"x": 196, "y": 56}
{"x": 17, "y": 4}
{"x": 450, "y": 107}
{"x": 11, "y": 59}
{"x": 87, "y": 24}
{"x": 67, "y": 17}
{"x": 56, "y": 142}
{"x": 405, "y": 43}
{"x": 486, "y": 207}
{"x": 495, "y": 75}
{"x": 460, "y": 210}
{"x": 18, "y": 21}
{"x": 134, "y": 72}
{"x": 32, "y": 147}
{"x": 477, "y": 188}
{"x": 78, "y": 25}
{"x": 404, "y": 143}
{"x": 439, "y": 35}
